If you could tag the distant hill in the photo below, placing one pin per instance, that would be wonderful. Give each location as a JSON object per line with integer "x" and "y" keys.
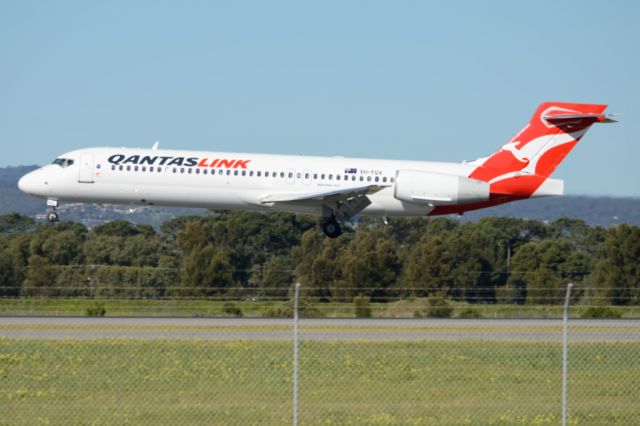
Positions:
{"x": 603, "y": 211}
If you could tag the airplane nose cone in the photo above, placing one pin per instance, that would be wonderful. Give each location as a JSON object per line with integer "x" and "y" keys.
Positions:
{"x": 28, "y": 183}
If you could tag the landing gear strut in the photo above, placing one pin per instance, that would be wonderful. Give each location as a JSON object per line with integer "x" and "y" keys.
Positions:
{"x": 52, "y": 215}
{"x": 331, "y": 228}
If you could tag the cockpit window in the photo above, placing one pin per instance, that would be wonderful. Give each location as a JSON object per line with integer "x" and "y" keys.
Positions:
{"x": 63, "y": 162}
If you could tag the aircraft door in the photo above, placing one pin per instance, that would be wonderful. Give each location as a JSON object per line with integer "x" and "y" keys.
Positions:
{"x": 86, "y": 169}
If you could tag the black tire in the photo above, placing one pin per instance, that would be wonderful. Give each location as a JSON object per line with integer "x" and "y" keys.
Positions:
{"x": 332, "y": 228}
{"x": 52, "y": 217}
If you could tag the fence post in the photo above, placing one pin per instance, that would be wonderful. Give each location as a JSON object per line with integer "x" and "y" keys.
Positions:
{"x": 565, "y": 353}
{"x": 295, "y": 354}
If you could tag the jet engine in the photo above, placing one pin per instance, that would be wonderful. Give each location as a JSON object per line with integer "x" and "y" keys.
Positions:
{"x": 438, "y": 189}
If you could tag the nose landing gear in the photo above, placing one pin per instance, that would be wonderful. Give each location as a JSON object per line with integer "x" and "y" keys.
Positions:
{"x": 52, "y": 215}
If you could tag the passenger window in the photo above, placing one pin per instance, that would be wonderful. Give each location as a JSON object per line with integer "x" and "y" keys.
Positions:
{"x": 315, "y": 176}
{"x": 298, "y": 175}
{"x": 251, "y": 173}
{"x": 322, "y": 176}
{"x": 281, "y": 174}
{"x": 204, "y": 171}
{"x": 151, "y": 168}
{"x": 228, "y": 172}
{"x": 290, "y": 175}
{"x": 128, "y": 168}
{"x": 306, "y": 175}
{"x": 189, "y": 170}
{"x": 377, "y": 179}
{"x": 220, "y": 171}
{"x": 120, "y": 167}
{"x": 330, "y": 177}
{"x": 353, "y": 178}
{"x": 337, "y": 177}
{"x": 197, "y": 171}
{"x": 235, "y": 173}
{"x": 391, "y": 180}
{"x": 175, "y": 170}
{"x": 361, "y": 178}
{"x": 384, "y": 179}
{"x": 244, "y": 173}
{"x": 113, "y": 167}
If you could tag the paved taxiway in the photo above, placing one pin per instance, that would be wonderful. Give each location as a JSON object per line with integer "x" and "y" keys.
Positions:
{"x": 74, "y": 328}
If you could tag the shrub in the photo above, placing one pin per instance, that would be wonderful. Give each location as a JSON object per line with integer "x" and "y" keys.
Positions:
{"x": 232, "y": 309}
{"x": 600, "y": 312}
{"x": 469, "y": 313}
{"x": 362, "y": 307}
{"x": 96, "y": 310}
{"x": 439, "y": 308}
{"x": 305, "y": 310}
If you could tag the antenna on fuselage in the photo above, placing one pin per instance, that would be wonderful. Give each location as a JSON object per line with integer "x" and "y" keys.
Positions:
{"x": 155, "y": 145}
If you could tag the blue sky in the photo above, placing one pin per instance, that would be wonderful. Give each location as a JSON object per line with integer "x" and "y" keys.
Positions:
{"x": 410, "y": 80}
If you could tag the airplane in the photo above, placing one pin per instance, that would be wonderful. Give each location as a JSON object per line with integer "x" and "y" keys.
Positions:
{"x": 336, "y": 188}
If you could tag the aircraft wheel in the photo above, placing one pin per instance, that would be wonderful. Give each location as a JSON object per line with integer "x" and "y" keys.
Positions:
{"x": 52, "y": 217}
{"x": 332, "y": 228}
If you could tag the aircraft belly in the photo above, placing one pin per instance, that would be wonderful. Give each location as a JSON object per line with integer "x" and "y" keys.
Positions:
{"x": 187, "y": 196}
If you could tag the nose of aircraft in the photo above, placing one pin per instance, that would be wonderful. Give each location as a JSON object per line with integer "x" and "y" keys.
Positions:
{"x": 29, "y": 183}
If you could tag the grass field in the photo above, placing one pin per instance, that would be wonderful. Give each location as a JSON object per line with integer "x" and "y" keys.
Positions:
{"x": 206, "y": 308}
{"x": 354, "y": 382}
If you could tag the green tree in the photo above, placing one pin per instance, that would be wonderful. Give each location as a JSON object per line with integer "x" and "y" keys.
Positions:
{"x": 370, "y": 265}
{"x": 39, "y": 278}
{"x": 16, "y": 222}
{"x": 617, "y": 271}
{"x": 428, "y": 267}
{"x": 542, "y": 270}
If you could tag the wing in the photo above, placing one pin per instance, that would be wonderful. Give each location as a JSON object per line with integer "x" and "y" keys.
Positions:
{"x": 344, "y": 203}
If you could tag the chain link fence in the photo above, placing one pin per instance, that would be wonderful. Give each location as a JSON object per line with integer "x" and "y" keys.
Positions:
{"x": 412, "y": 360}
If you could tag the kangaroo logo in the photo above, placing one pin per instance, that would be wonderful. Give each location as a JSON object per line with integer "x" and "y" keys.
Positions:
{"x": 512, "y": 147}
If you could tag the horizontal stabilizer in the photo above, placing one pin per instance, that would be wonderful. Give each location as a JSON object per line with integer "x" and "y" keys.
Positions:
{"x": 550, "y": 187}
{"x": 569, "y": 118}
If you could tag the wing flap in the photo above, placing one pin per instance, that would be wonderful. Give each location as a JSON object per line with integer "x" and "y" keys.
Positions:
{"x": 320, "y": 195}
{"x": 342, "y": 203}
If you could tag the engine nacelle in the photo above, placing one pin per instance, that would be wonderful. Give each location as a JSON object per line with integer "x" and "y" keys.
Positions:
{"x": 438, "y": 189}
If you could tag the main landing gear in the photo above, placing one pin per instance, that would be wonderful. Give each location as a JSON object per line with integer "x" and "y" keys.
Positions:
{"x": 52, "y": 215}
{"x": 331, "y": 227}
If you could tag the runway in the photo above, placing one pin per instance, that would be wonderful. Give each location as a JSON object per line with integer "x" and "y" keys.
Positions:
{"x": 228, "y": 329}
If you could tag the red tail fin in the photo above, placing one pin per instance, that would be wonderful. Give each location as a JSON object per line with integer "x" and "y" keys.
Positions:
{"x": 527, "y": 160}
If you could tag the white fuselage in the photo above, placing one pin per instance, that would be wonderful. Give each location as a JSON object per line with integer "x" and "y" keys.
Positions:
{"x": 222, "y": 180}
